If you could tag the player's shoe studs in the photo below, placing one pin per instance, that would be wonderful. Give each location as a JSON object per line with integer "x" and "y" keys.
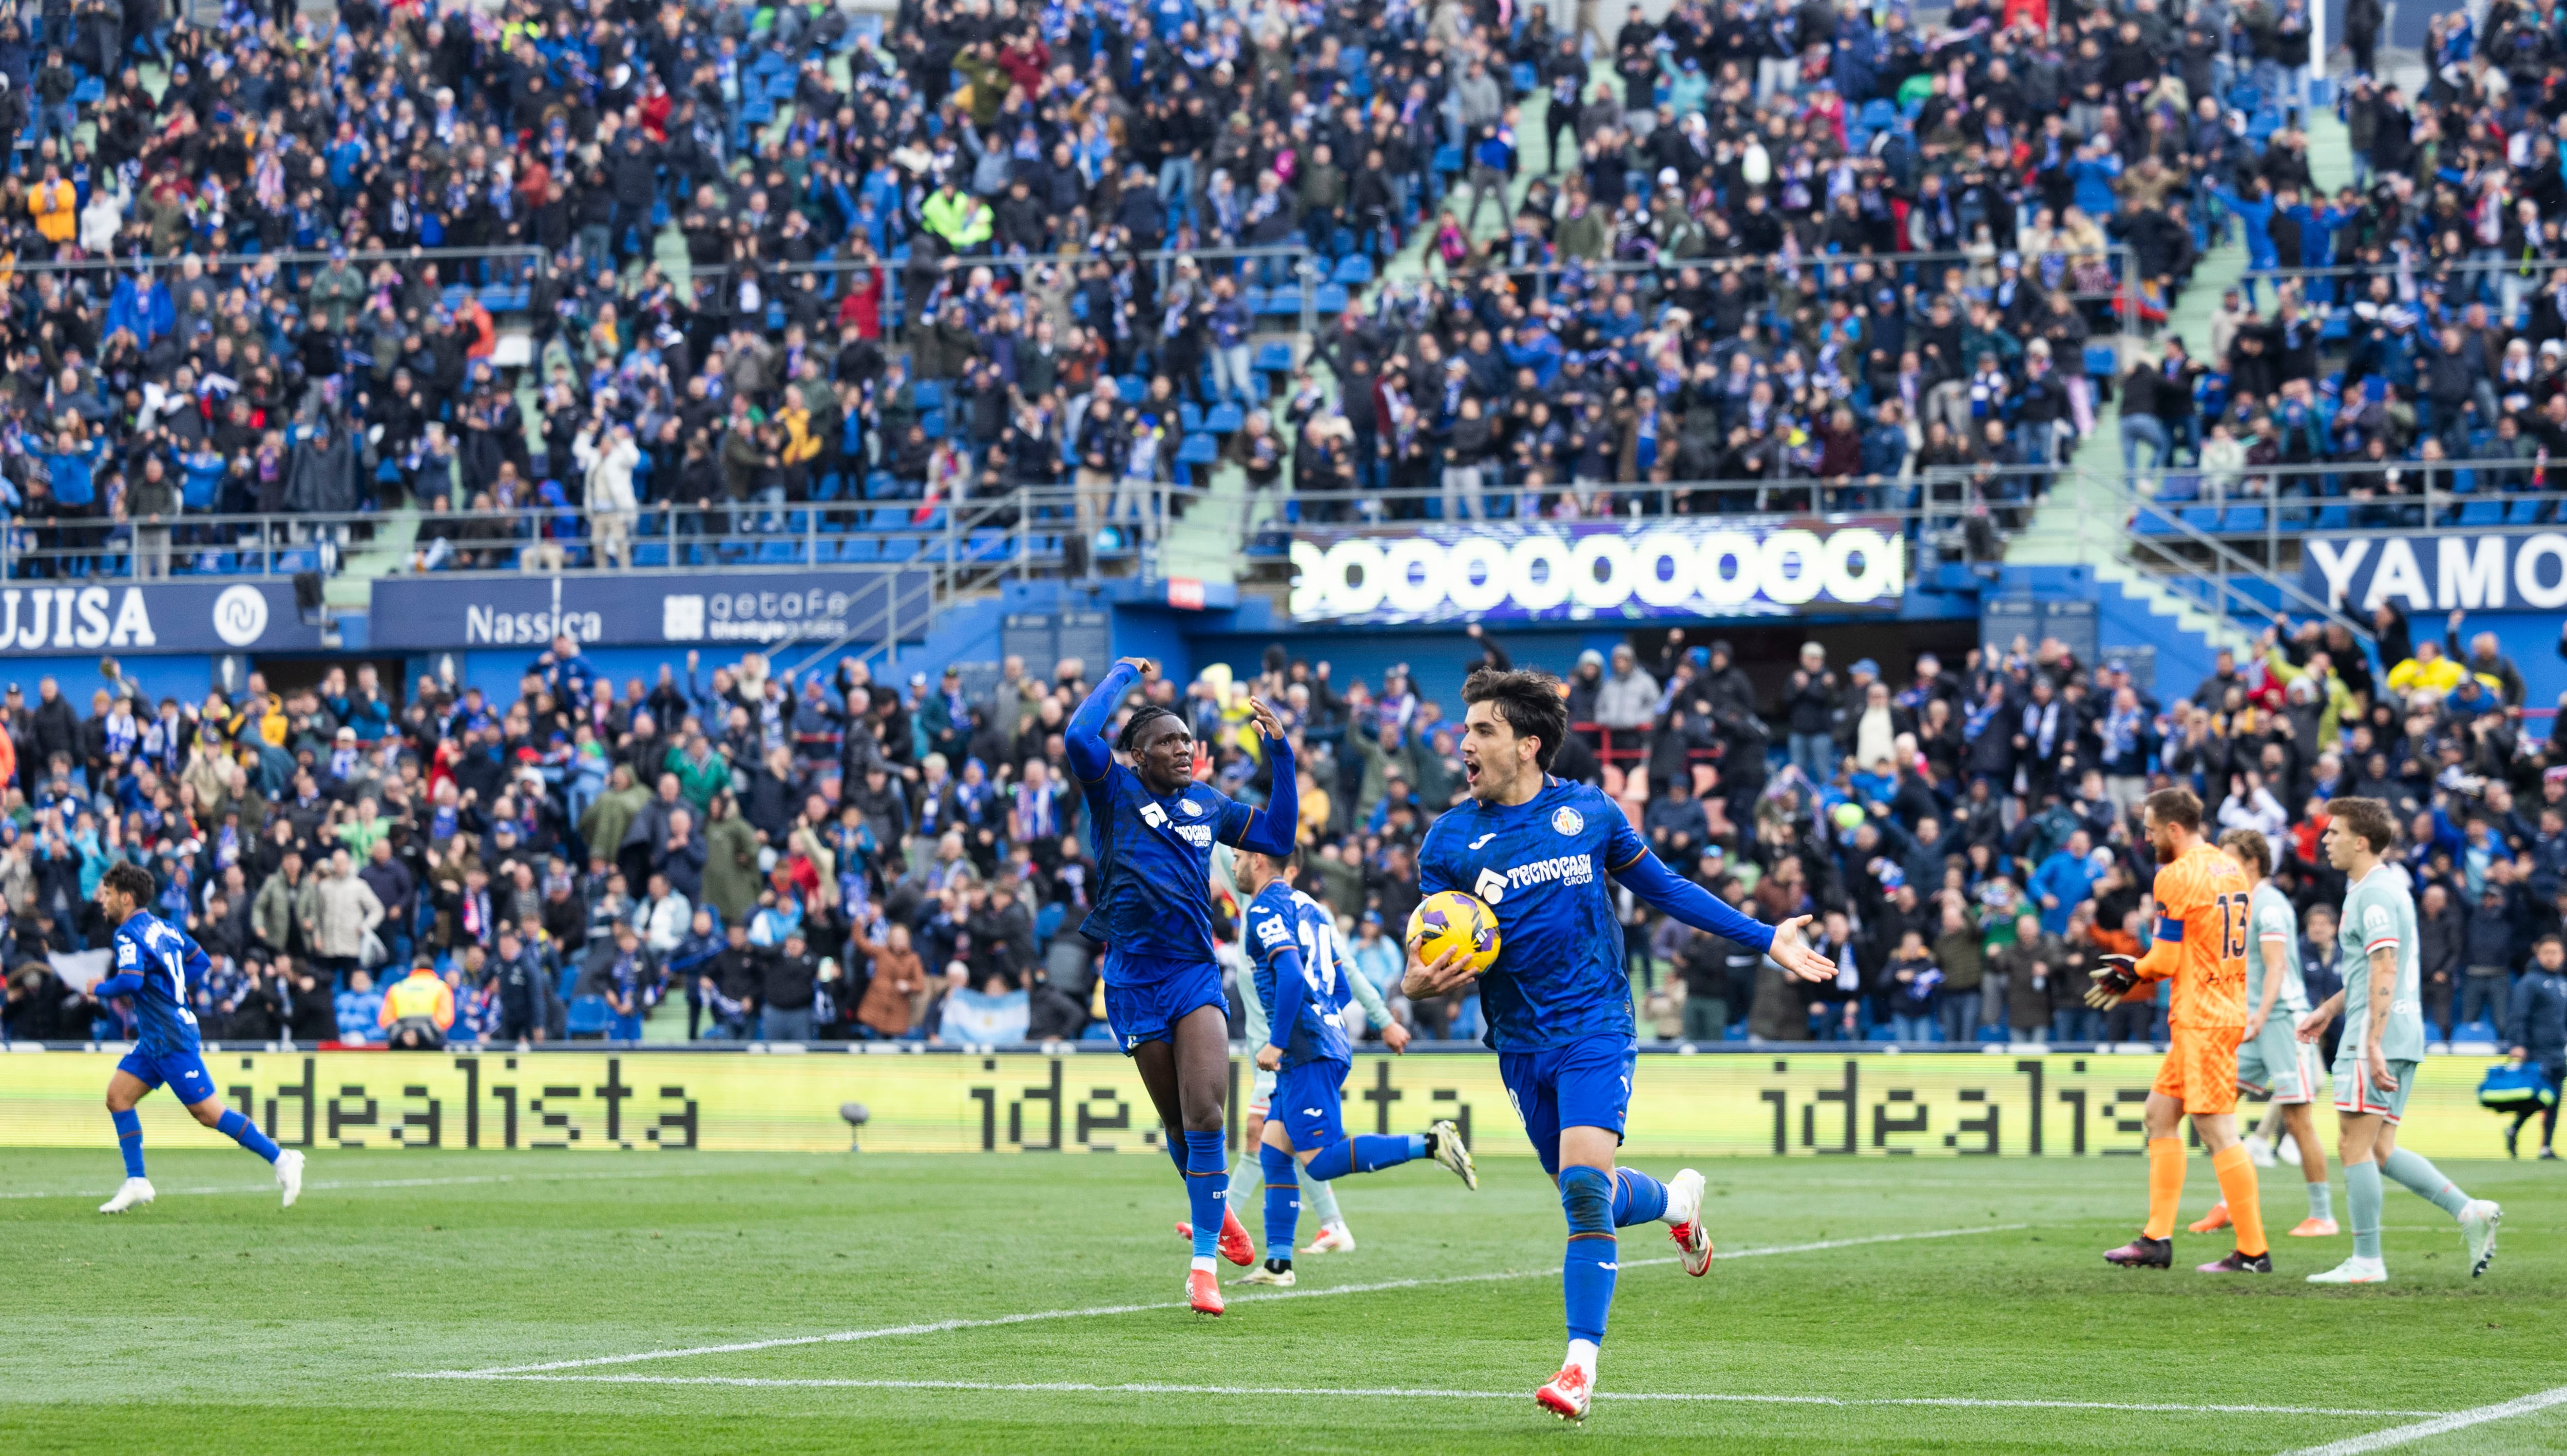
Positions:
{"x": 1566, "y": 1395}
{"x": 2258, "y": 1151}
{"x": 2238, "y": 1262}
{"x": 2314, "y": 1228}
{"x": 289, "y": 1175}
{"x": 1235, "y": 1246}
{"x": 1333, "y": 1239}
{"x": 135, "y": 1193}
{"x": 2143, "y": 1253}
{"x": 2478, "y": 1218}
{"x": 1275, "y": 1272}
{"x": 1444, "y": 1145}
{"x": 1684, "y": 1215}
{"x": 1203, "y": 1292}
{"x": 2212, "y": 1221}
{"x": 2354, "y": 1270}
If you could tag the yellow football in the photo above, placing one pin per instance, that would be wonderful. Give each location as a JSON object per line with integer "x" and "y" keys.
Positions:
{"x": 1450, "y": 920}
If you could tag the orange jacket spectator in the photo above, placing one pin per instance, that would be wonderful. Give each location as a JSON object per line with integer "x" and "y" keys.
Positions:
{"x": 420, "y": 994}
{"x": 56, "y": 208}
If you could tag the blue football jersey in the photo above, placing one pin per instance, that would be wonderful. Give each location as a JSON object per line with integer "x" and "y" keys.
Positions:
{"x": 165, "y": 959}
{"x": 1283, "y": 919}
{"x": 1155, "y": 855}
{"x": 1541, "y": 866}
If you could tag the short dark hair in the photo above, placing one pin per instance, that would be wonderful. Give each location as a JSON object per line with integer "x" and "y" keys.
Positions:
{"x": 2175, "y": 806}
{"x": 132, "y": 881}
{"x": 2252, "y": 845}
{"x": 2367, "y": 819}
{"x": 1530, "y": 701}
{"x": 1141, "y": 717}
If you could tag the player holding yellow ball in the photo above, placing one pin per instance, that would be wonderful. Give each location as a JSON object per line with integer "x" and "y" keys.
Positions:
{"x": 1534, "y": 851}
{"x": 1449, "y": 919}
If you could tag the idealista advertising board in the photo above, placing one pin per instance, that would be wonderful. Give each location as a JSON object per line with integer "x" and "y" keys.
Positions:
{"x": 1768, "y": 1104}
{"x": 1726, "y": 566}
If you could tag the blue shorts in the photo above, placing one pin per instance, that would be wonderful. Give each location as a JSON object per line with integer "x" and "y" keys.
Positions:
{"x": 1150, "y": 1010}
{"x": 1586, "y": 1084}
{"x": 1306, "y": 1101}
{"x": 183, "y": 1072}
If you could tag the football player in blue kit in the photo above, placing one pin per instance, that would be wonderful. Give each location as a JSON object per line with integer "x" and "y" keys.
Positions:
{"x": 1293, "y": 945}
{"x": 154, "y": 962}
{"x": 1153, "y": 828}
{"x": 1536, "y": 849}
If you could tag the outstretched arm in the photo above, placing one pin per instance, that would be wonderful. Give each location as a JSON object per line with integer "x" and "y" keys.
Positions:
{"x": 113, "y": 987}
{"x": 1089, "y": 756}
{"x": 1272, "y": 828}
{"x": 1647, "y": 877}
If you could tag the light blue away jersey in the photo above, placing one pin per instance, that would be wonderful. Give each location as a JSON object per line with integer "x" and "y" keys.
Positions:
{"x": 1309, "y": 984}
{"x": 1541, "y": 865}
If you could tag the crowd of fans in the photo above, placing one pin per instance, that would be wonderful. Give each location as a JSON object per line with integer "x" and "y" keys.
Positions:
{"x": 2434, "y": 329}
{"x": 1677, "y": 297}
{"x": 842, "y": 858}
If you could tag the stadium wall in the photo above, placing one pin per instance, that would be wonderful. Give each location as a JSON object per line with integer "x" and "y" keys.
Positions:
{"x": 1748, "y": 1104}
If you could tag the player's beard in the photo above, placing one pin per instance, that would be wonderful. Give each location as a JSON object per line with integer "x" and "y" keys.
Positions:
{"x": 2163, "y": 847}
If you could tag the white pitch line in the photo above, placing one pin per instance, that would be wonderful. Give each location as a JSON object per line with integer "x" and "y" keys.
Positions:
{"x": 1081, "y": 1387}
{"x": 270, "y": 1186}
{"x": 2458, "y": 1420}
{"x": 940, "y": 1326}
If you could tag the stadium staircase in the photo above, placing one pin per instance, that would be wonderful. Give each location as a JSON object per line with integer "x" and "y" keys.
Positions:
{"x": 2171, "y": 587}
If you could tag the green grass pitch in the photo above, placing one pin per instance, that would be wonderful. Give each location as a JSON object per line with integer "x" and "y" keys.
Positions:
{"x": 215, "y": 1321}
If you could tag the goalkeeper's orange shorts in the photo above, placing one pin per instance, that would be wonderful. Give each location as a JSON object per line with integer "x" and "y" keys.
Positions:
{"x": 2200, "y": 1068}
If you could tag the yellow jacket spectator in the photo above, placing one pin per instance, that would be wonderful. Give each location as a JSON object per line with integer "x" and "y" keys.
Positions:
{"x": 956, "y": 217}
{"x": 2428, "y": 670}
{"x": 56, "y": 206}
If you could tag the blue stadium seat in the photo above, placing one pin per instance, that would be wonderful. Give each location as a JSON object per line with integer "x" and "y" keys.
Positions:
{"x": 1199, "y": 450}
{"x": 1275, "y": 357}
{"x": 90, "y": 92}
{"x": 758, "y": 113}
{"x": 2243, "y": 520}
{"x": 590, "y": 1016}
{"x": 2100, "y": 360}
{"x": 650, "y": 553}
{"x": 1448, "y": 160}
{"x": 2176, "y": 488}
{"x": 1190, "y": 416}
{"x": 2203, "y": 518}
{"x": 2332, "y": 518}
{"x": 1523, "y": 76}
{"x": 1132, "y": 389}
{"x": 1330, "y": 299}
{"x": 934, "y": 422}
{"x": 2483, "y": 513}
{"x": 1355, "y": 270}
{"x": 1286, "y": 300}
{"x": 2152, "y": 523}
{"x": 1224, "y": 419}
{"x": 857, "y": 549}
{"x": 2524, "y": 512}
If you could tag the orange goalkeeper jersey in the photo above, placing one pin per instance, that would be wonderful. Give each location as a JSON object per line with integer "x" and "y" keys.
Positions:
{"x": 2202, "y": 908}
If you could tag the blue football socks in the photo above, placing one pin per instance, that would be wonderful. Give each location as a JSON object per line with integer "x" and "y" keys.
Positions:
{"x": 1586, "y": 1270}
{"x": 128, "y": 1140}
{"x": 1282, "y": 1202}
{"x": 1366, "y": 1154}
{"x": 1638, "y": 1198}
{"x": 243, "y": 1131}
{"x": 1207, "y": 1188}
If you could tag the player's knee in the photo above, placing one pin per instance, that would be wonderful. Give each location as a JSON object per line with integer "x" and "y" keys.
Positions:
{"x": 1586, "y": 1197}
{"x": 207, "y": 1112}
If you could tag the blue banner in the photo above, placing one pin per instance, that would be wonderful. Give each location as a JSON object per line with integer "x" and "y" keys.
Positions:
{"x": 42, "y": 619}
{"x": 1663, "y": 566}
{"x": 2436, "y": 573}
{"x": 649, "y": 609}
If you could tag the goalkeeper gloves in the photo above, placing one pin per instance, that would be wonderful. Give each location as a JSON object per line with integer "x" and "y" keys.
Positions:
{"x": 2112, "y": 982}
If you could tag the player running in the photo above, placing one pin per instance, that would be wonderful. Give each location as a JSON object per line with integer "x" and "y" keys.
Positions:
{"x": 153, "y": 964}
{"x": 1536, "y": 849}
{"x": 2384, "y": 1042}
{"x": 2203, "y": 905}
{"x": 2271, "y": 1058}
{"x": 1153, "y": 828}
{"x": 1333, "y": 1236}
{"x": 1299, "y": 972}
